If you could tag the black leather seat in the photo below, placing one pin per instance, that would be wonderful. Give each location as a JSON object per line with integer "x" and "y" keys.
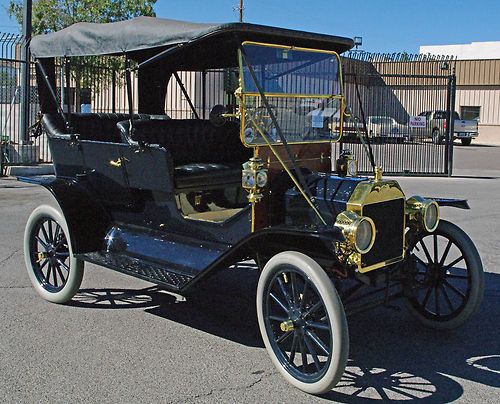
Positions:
{"x": 99, "y": 127}
{"x": 204, "y": 156}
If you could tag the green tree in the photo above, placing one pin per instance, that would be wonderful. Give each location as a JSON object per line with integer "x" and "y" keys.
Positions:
{"x": 53, "y": 15}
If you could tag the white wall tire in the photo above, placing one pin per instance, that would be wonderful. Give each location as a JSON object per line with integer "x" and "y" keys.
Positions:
{"x": 53, "y": 270}
{"x": 315, "y": 312}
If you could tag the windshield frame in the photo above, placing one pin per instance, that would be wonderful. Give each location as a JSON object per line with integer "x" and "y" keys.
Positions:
{"x": 244, "y": 96}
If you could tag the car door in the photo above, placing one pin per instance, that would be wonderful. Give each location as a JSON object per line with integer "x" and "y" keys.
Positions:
{"x": 147, "y": 168}
{"x": 104, "y": 168}
{"x": 69, "y": 163}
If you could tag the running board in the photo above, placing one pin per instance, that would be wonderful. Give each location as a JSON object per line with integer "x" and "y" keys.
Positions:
{"x": 172, "y": 279}
{"x": 169, "y": 260}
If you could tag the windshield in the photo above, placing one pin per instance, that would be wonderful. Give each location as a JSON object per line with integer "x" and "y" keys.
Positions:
{"x": 301, "y": 86}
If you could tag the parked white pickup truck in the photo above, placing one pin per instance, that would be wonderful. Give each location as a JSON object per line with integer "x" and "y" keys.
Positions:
{"x": 465, "y": 130}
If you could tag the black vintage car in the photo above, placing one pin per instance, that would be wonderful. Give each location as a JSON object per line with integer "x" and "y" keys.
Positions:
{"x": 172, "y": 200}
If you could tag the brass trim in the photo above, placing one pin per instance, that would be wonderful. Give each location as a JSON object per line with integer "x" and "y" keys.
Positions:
{"x": 118, "y": 162}
{"x": 253, "y": 168}
{"x": 269, "y": 45}
{"x": 287, "y": 326}
{"x": 416, "y": 209}
{"x": 241, "y": 94}
{"x": 349, "y": 223}
{"x": 243, "y": 108}
{"x": 292, "y": 95}
{"x": 382, "y": 264}
{"x": 369, "y": 192}
{"x": 372, "y": 192}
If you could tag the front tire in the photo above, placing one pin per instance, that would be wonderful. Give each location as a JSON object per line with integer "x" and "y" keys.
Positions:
{"x": 448, "y": 284}
{"x": 53, "y": 270}
{"x": 302, "y": 322}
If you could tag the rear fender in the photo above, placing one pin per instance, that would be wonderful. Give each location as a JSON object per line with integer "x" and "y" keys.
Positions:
{"x": 87, "y": 220}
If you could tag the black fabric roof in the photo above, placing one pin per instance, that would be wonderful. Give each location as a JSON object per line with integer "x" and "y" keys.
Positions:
{"x": 140, "y": 36}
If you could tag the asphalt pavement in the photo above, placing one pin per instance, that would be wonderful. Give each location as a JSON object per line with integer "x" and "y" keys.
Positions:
{"x": 124, "y": 340}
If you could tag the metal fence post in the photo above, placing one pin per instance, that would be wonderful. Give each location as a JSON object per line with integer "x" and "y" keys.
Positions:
{"x": 25, "y": 72}
{"x": 113, "y": 93}
{"x": 452, "y": 87}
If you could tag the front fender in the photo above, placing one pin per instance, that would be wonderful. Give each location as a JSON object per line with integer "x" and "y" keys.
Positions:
{"x": 261, "y": 245}
{"x": 317, "y": 243}
{"x": 87, "y": 220}
{"x": 454, "y": 203}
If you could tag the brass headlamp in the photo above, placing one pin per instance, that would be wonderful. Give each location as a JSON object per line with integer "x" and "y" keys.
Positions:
{"x": 359, "y": 231}
{"x": 423, "y": 212}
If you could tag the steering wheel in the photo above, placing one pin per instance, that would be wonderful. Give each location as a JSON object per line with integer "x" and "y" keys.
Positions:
{"x": 216, "y": 116}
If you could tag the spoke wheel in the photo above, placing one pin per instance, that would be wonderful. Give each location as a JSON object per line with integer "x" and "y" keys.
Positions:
{"x": 448, "y": 285}
{"x": 302, "y": 322}
{"x": 53, "y": 270}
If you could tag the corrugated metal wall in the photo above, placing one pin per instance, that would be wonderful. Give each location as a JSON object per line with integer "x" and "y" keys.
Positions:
{"x": 478, "y": 72}
{"x": 478, "y": 85}
{"x": 486, "y": 98}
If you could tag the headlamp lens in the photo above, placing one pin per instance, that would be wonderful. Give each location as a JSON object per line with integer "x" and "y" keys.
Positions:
{"x": 431, "y": 218}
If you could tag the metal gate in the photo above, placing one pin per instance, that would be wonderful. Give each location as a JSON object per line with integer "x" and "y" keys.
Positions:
{"x": 398, "y": 94}
{"x": 14, "y": 147}
{"x": 389, "y": 89}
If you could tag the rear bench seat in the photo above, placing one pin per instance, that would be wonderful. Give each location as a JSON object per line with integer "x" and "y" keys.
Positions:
{"x": 204, "y": 156}
{"x": 99, "y": 127}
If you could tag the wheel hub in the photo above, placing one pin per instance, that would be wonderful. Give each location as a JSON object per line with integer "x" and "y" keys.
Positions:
{"x": 435, "y": 274}
{"x": 287, "y": 326}
{"x": 294, "y": 322}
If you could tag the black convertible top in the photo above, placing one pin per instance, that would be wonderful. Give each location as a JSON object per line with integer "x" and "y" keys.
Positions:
{"x": 143, "y": 37}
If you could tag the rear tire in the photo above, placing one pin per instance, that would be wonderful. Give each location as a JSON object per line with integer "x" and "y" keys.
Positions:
{"x": 53, "y": 270}
{"x": 466, "y": 142}
{"x": 302, "y": 322}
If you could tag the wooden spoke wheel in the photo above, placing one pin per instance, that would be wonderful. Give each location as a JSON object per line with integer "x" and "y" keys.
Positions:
{"x": 53, "y": 271}
{"x": 302, "y": 322}
{"x": 448, "y": 285}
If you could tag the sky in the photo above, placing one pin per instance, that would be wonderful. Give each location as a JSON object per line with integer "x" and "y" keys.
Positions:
{"x": 386, "y": 25}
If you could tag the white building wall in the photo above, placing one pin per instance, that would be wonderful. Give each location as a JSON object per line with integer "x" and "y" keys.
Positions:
{"x": 474, "y": 50}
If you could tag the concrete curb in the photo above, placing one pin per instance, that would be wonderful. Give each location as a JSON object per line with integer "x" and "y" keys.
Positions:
{"x": 29, "y": 171}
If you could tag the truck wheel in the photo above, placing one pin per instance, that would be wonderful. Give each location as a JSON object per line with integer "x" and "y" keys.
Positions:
{"x": 436, "y": 136}
{"x": 53, "y": 270}
{"x": 448, "y": 286}
{"x": 466, "y": 142}
{"x": 302, "y": 322}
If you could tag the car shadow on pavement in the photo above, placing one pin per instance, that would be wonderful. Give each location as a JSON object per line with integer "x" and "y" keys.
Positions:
{"x": 392, "y": 357}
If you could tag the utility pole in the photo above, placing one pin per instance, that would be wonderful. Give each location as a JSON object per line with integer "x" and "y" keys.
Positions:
{"x": 25, "y": 71}
{"x": 240, "y": 10}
